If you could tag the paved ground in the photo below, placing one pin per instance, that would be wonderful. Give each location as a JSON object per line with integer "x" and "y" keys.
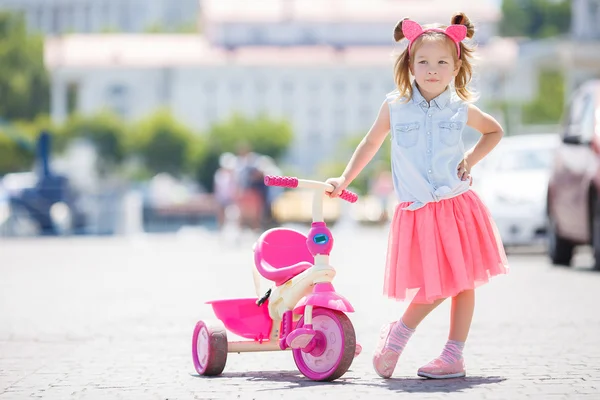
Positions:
{"x": 112, "y": 318}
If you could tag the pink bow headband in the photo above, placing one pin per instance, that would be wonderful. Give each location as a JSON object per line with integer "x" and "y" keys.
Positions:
{"x": 413, "y": 30}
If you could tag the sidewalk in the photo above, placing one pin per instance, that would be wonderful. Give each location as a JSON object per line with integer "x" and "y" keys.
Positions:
{"x": 111, "y": 318}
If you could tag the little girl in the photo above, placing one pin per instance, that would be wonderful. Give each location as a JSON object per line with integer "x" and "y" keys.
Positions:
{"x": 442, "y": 242}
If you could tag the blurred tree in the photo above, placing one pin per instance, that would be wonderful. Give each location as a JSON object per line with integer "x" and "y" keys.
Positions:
{"x": 24, "y": 83}
{"x": 381, "y": 160}
{"x": 105, "y": 130}
{"x": 158, "y": 28}
{"x": 535, "y": 18}
{"x": 264, "y": 135}
{"x": 548, "y": 106}
{"x": 155, "y": 27}
{"x": 190, "y": 27}
{"x": 109, "y": 30}
{"x": 165, "y": 145}
{"x": 18, "y": 142}
{"x": 17, "y": 150}
{"x": 503, "y": 107}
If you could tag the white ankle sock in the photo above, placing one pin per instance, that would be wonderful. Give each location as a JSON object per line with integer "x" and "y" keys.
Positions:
{"x": 452, "y": 351}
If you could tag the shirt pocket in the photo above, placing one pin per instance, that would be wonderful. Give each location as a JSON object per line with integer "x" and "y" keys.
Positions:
{"x": 407, "y": 135}
{"x": 450, "y": 132}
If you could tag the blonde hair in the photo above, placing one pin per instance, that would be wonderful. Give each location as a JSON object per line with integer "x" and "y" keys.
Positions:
{"x": 462, "y": 79}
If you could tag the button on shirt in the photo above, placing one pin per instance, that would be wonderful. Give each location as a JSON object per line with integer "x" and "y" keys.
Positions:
{"x": 427, "y": 146}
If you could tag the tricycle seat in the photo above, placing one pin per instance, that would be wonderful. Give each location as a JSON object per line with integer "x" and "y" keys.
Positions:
{"x": 282, "y": 253}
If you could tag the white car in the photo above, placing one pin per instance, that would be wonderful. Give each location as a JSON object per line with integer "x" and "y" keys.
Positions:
{"x": 513, "y": 181}
{"x": 15, "y": 223}
{"x": 4, "y": 206}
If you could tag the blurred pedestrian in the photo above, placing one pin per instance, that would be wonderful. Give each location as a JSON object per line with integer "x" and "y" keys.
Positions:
{"x": 225, "y": 186}
{"x": 382, "y": 187}
{"x": 267, "y": 166}
{"x": 250, "y": 188}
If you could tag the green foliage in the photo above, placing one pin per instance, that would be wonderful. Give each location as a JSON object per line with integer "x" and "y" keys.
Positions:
{"x": 535, "y": 18}
{"x": 206, "y": 168}
{"x": 547, "y": 107}
{"x": 158, "y": 28}
{"x": 381, "y": 161}
{"x": 262, "y": 134}
{"x": 164, "y": 144}
{"x": 266, "y": 136}
{"x": 104, "y": 129}
{"x": 160, "y": 142}
{"x": 504, "y": 109}
{"x": 190, "y": 27}
{"x": 14, "y": 156}
{"x": 18, "y": 143}
{"x": 24, "y": 93}
{"x": 155, "y": 27}
{"x": 16, "y": 150}
{"x": 110, "y": 30}
{"x": 24, "y": 83}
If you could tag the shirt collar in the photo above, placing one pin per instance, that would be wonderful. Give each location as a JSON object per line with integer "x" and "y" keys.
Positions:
{"x": 441, "y": 101}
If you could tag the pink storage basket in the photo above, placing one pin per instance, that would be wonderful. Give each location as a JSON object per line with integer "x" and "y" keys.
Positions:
{"x": 244, "y": 318}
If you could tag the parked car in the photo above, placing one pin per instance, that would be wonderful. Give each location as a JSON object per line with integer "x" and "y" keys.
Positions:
{"x": 574, "y": 187}
{"x": 512, "y": 181}
{"x": 4, "y": 206}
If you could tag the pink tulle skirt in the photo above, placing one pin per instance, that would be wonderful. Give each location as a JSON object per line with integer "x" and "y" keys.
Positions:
{"x": 442, "y": 249}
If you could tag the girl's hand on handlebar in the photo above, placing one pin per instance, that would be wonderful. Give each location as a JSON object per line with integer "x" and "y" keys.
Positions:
{"x": 339, "y": 184}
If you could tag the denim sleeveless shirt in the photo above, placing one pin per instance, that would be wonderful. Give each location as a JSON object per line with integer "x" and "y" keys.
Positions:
{"x": 427, "y": 147}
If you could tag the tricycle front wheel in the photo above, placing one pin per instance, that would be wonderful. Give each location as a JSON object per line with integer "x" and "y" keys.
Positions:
{"x": 209, "y": 348}
{"x": 330, "y": 354}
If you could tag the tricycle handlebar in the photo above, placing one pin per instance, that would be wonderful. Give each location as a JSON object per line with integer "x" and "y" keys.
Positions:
{"x": 293, "y": 182}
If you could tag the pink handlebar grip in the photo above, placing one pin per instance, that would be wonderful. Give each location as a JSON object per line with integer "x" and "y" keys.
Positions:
{"x": 349, "y": 196}
{"x": 284, "y": 181}
{"x": 291, "y": 182}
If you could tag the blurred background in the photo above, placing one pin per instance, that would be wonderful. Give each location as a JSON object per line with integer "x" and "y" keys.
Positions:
{"x": 130, "y": 116}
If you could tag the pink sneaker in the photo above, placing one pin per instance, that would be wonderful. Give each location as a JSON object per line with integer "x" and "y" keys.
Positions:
{"x": 439, "y": 369}
{"x": 385, "y": 359}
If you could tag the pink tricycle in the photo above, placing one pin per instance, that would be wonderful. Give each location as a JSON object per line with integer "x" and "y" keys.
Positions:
{"x": 302, "y": 311}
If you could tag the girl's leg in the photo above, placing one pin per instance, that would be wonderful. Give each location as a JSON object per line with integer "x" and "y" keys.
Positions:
{"x": 415, "y": 313}
{"x": 450, "y": 363}
{"x": 394, "y": 337}
{"x": 461, "y": 315}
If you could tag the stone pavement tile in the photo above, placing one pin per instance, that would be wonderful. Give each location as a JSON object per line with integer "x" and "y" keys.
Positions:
{"x": 115, "y": 321}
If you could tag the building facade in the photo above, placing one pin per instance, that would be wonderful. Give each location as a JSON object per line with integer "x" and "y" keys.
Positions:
{"x": 53, "y": 17}
{"x": 576, "y": 55}
{"x": 326, "y": 72}
{"x": 585, "y": 20}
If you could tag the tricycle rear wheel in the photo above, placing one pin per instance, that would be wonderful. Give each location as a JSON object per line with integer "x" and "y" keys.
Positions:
{"x": 209, "y": 348}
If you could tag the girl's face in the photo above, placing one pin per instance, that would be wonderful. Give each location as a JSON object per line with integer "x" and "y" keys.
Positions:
{"x": 434, "y": 66}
